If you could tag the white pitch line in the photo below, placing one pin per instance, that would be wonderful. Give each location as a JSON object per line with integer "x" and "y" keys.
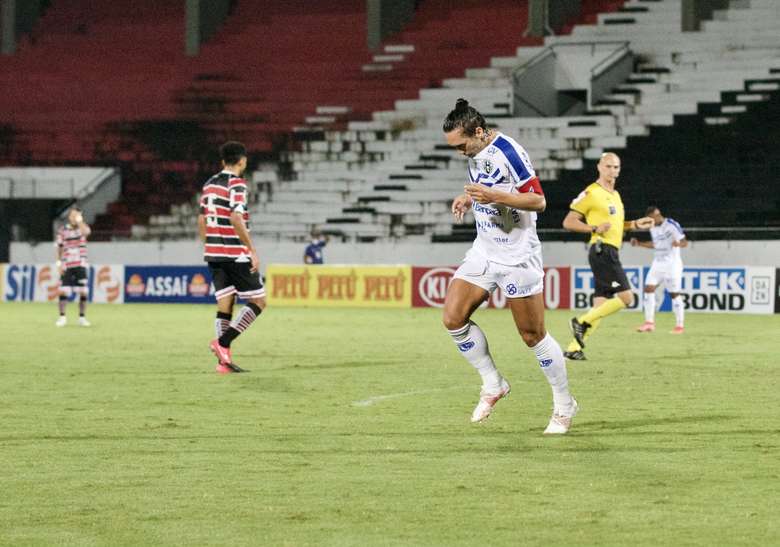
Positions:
{"x": 378, "y": 398}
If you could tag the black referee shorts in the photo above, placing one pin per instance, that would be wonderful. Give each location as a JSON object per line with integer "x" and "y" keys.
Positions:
{"x": 231, "y": 278}
{"x": 608, "y": 275}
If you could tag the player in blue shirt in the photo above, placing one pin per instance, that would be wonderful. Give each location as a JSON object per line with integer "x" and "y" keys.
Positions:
{"x": 313, "y": 252}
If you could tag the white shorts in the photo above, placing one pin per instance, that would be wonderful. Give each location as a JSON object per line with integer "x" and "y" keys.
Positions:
{"x": 524, "y": 279}
{"x": 668, "y": 275}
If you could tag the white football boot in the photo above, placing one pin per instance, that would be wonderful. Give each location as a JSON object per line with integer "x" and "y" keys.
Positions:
{"x": 62, "y": 321}
{"x": 559, "y": 424}
{"x": 84, "y": 323}
{"x": 488, "y": 400}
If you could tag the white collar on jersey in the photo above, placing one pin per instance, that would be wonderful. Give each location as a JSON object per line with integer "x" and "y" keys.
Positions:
{"x": 225, "y": 171}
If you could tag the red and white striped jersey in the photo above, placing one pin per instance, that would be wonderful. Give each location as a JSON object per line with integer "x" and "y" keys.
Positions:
{"x": 73, "y": 246}
{"x": 223, "y": 194}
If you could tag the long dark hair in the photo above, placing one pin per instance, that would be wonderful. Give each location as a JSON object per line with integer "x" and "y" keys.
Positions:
{"x": 466, "y": 117}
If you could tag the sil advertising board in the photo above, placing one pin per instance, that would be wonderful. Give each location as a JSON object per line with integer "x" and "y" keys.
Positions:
{"x": 40, "y": 283}
{"x": 339, "y": 286}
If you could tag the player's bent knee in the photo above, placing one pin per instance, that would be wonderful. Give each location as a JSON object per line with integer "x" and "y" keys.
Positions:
{"x": 650, "y": 289}
{"x": 627, "y": 297}
{"x": 259, "y": 302}
{"x": 453, "y": 321}
{"x": 531, "y": 338}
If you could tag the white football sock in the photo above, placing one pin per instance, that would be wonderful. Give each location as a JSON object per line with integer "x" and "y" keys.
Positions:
{"x": 553, "y": 365}
{"x": 649, "y": 305}
{"x": 679, "y": 309}
{"x": 473, "y": 346}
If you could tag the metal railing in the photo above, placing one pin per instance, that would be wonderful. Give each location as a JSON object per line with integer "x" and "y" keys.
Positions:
{"x": 29, "y": 188}
{"x": 693, "y": 233}
{"x": 599, "y": 71}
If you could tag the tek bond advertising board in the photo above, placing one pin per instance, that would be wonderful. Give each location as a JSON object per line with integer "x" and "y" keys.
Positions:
{"x": 722, "y": 289}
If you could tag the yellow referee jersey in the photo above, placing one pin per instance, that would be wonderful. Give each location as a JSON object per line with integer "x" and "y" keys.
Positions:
{"x": 598, "y": 205}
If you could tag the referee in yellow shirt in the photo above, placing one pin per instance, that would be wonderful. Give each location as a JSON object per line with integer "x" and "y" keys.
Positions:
{"x": 598, "y": 211}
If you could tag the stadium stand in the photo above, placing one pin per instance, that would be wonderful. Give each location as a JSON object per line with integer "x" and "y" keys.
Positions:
{"x": 251, "y": 83}
{"x": 358, "y": 133}
{"x": 392, "y": 176}
{"x": 345, "y": 131}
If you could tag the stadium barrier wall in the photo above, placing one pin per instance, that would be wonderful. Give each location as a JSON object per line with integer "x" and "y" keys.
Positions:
{"x": 419, "y": 253}
{"x": 719, "y": 289}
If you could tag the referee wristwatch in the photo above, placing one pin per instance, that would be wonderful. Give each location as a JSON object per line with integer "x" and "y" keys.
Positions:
{"x": 593, "y": 229}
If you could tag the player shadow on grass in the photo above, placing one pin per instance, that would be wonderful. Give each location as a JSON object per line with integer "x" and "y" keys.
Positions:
{"x": 305, "y": 362}
{"x": 613, "y": 425}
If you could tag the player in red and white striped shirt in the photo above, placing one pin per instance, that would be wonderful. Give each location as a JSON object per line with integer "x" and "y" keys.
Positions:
{"x": 224, "y": 228}
{"x": 72, "y": 264}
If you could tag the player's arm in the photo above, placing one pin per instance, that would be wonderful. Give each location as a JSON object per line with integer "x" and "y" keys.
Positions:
{"x": 83, "y": 226}
{"x": 525, "y": 202}
{"x": 575, "y": 222}
{"x": 460, "y": 205}
{"x": 306, "y": 259}
{"x": 527, "y": 197}
{"x": 202, "y": 221}
{"x": 644, "y": 223}
{"x": 237, "y": 220}
{"x": 237, "y": 209}
{"x": 682, "y": 243}
{"x": 58, "y": 245}
{"x": 202, "y": 226}
{"x": 646, "y": 244}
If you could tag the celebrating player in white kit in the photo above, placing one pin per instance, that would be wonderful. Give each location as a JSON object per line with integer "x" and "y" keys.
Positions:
{"x": 668, "y": 238}
{"x": 504, "y": 195}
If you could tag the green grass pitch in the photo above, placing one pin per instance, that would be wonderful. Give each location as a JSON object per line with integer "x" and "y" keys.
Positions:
{"x": 352, "y": 429}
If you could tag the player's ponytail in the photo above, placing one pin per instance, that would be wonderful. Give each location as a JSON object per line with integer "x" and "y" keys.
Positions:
{"x": 465, "y": 117}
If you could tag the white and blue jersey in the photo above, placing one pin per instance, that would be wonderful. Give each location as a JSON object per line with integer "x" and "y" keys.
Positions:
{"x": 504, "y": 235}
{"x": 668, "y": 232}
